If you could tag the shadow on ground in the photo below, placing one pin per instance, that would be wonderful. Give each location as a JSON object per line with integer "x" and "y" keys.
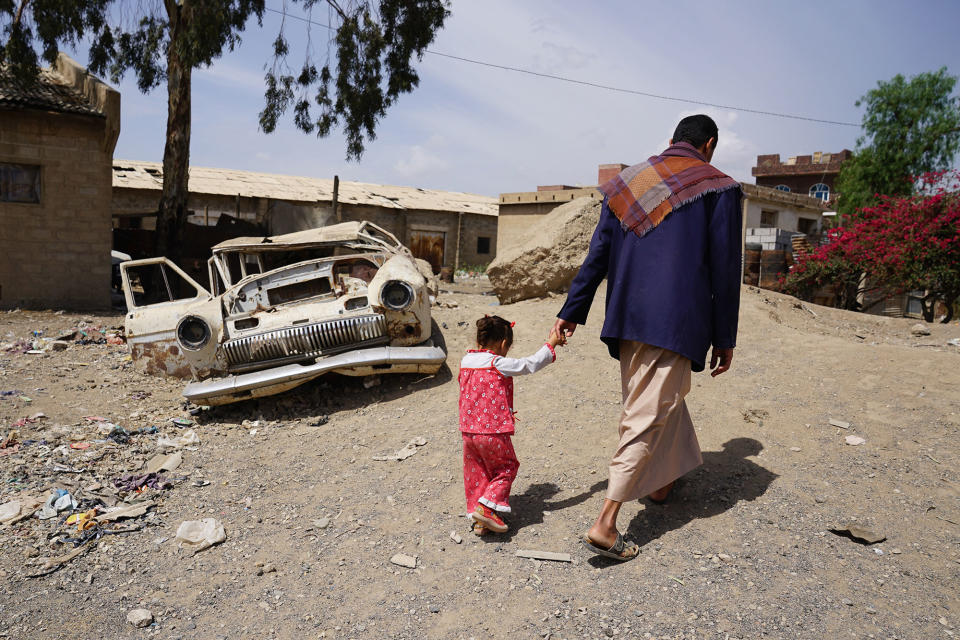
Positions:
{"x": 725, "y": 478}
{"x": 325, "y": 396}
{"x": 530, "y": 505}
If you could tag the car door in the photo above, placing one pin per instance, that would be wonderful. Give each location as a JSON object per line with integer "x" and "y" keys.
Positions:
{"x": 158, "y": 295}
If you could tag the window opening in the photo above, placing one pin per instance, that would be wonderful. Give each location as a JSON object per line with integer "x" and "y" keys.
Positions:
{"x": 821, "y": 191}
{"x": 20, "y": 183}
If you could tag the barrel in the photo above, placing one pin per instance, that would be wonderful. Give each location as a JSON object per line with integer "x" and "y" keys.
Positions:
{"x": 773, "y": 264}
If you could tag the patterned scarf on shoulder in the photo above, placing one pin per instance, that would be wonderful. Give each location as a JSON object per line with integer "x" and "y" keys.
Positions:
{"x": 643, "y": 195}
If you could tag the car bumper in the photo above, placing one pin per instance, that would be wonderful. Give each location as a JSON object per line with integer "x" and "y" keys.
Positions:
{"x": 426, "y": 359}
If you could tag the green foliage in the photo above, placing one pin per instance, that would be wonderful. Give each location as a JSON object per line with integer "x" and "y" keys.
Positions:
{"x": 375, "y": 44}
{"x": 910, "y": 127}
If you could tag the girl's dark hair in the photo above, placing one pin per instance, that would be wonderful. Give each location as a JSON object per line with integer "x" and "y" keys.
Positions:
{"x": 493, "y": 329}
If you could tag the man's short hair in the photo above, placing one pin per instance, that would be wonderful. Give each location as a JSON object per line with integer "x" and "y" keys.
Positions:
{"x": 696, "y": 130}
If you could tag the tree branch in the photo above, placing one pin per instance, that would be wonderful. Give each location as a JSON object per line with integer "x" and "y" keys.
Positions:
{"x": 19, "y": 16}
{"x": 336, "y": 7}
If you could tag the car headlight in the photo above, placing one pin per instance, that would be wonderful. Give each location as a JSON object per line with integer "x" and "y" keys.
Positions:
{"x": 396, "y": 295}
{"x": 193, "y": 333}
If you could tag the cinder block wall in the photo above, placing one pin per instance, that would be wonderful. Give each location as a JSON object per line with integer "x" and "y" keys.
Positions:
{"x": 56, "y": 254}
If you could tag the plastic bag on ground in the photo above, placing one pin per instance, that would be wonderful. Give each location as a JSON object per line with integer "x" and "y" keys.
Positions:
{"x": 186, "y": 439}
{"x": 200, "y": 534}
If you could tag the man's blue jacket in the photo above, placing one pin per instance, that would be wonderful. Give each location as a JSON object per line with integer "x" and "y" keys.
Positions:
{"x": 677, "y": 287}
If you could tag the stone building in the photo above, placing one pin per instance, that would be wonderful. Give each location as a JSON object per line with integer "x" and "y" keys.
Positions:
{"x": 813, "y": 176}
{"x": 447, "y": 229}
{"x": 57, "y": 137}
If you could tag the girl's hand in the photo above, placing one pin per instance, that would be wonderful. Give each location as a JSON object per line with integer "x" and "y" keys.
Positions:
{"x": 555, "y": 339}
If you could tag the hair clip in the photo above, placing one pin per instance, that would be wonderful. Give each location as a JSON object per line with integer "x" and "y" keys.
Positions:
{"x": 513, "y": 324}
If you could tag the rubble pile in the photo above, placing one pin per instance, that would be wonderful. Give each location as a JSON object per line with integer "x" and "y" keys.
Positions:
{"x": 548, "y": 257}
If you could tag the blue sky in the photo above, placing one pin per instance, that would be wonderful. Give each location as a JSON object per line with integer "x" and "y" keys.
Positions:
{"x": 483, "y": 130}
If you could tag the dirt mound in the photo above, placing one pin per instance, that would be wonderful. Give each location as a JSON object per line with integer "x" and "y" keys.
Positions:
{"x": 548, "y": 257}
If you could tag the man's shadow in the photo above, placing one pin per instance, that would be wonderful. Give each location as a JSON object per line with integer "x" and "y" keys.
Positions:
{"x": 725, "y": 478}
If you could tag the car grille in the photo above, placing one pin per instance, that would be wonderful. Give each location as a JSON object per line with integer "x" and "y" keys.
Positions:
{"x": 305, "y": 342}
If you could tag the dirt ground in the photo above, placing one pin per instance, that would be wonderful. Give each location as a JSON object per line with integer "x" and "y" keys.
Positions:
{"x": 742, "y": 550}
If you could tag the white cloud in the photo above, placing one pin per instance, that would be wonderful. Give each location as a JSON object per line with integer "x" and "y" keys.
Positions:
{"x": 418, "y": 162}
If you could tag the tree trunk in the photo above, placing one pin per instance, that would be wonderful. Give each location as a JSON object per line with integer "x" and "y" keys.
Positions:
{"x": 172, "y": 216}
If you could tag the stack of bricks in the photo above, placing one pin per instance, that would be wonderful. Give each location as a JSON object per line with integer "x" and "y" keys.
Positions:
{"x": 771, "y": 239}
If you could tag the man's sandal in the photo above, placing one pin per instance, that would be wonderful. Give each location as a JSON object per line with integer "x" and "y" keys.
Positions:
{"x": 620, "y": 550}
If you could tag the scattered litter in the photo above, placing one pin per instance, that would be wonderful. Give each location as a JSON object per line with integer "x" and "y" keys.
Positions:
{"x": 372, "y": 381}
{"x": 182, "y": 422}
{"x": 456, "y": 537}
{"x": 168, "y": 462}
{"x": 954, "y": 342}
{"x": 119, "y": 435}
{"x": 854, "y": 440}
{"x": 839, "y": 423}
{"x": 140, "y": 618}
{"x": 200, "y": 534}
{"x": 858, "y": 534}
{"x": 11, "y": 440}
{"x": 677, "y": 580}
{"x": 59, "y": 500}
{"x": 19, "y": 509}
{"x": 405, "y": 452}
{"x": 403, "y": 560}
{"x": 140, "y": 395}
{"x": 127, "y": 511}
{"x": 919, "y": 329}
{"x": 80, "y": 445}
{"x": 188, "y": 438}
{"x": 130, "y": 482}
{"x": 319, "y": 421}
{"x": 544, "y": 555}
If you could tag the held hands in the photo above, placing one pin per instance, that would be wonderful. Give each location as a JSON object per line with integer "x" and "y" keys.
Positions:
{"x": 554, "y": 339}
{"x": 563, "y": 330}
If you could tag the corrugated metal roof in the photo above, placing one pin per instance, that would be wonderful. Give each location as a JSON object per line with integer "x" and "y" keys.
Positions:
{"x": 133, "y": 174}
{"x": 49, "y": 92}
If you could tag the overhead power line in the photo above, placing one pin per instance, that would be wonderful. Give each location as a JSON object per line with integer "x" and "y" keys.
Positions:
{"x": 596, "y": 85}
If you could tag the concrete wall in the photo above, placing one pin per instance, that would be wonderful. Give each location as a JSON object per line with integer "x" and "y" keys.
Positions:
{"x": 56, "y": 254}
{"x": 206, "y": 208}
{"x": 520, "y": 212}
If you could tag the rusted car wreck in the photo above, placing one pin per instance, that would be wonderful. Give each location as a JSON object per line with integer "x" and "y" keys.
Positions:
{"x": 347, "y": 298}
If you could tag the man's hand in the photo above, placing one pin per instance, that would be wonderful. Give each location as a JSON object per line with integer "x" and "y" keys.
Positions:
{"x": 564, "y": 329}
{"x": 722, "y": 356}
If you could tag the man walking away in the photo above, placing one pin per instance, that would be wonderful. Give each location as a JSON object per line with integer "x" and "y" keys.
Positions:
{"x": 668, "y": 243}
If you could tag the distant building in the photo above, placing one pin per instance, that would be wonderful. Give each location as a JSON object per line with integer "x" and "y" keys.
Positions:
{"x": 520, "y": 211}
{"x": 813, "y": 176}
{"x": 57, "y": 137}
{"x": 772, "y": 217}
{"x": 445, "y": 228}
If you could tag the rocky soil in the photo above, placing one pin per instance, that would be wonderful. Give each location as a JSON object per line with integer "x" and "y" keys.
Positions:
{"x": 742, "y": 550}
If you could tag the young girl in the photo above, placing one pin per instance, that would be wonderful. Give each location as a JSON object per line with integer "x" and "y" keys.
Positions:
{"x": 487, "y": 421}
